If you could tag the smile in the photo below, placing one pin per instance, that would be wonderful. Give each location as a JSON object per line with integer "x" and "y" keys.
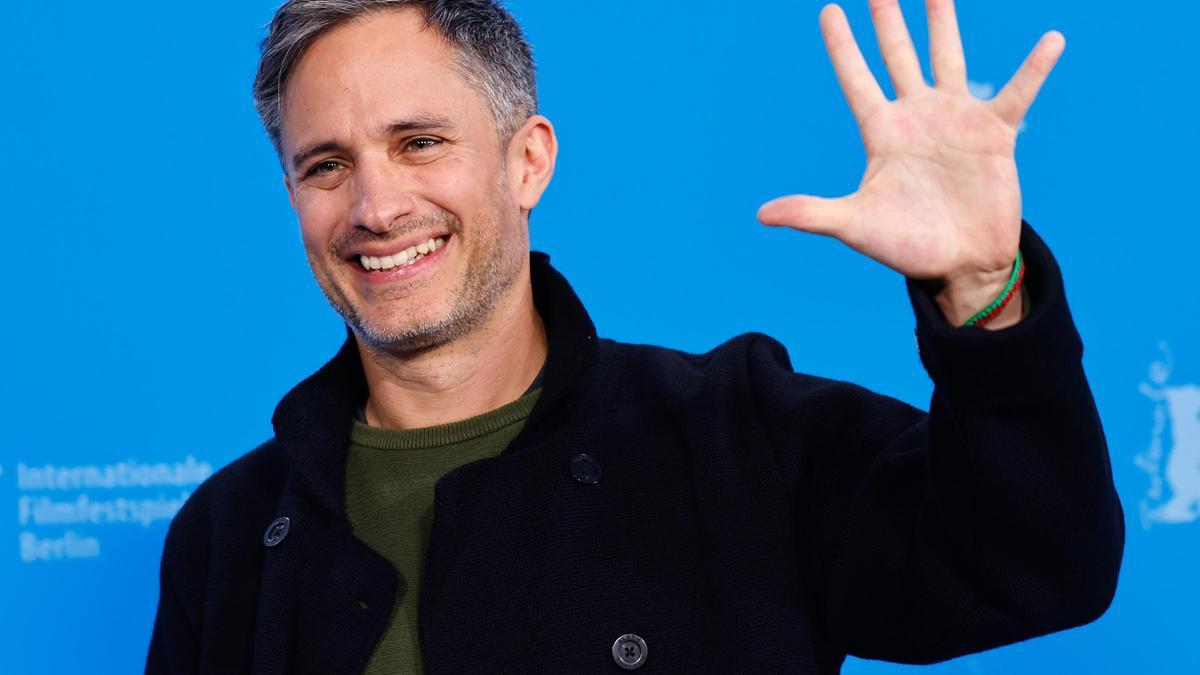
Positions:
{"x": 404, "y": 258}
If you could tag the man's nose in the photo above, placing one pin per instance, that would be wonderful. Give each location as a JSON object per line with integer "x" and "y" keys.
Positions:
{"x": 383, "y": 196}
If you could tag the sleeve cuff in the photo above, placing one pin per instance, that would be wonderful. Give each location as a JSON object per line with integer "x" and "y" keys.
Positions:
{"x": 1011, "y": 365}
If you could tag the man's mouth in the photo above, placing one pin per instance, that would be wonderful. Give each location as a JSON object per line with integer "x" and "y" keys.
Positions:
{"x": 403, "y": 258}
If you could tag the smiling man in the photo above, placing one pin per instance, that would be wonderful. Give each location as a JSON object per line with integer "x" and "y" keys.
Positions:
{"x": 414, "y": 207}
{"x": 476, "y": 482}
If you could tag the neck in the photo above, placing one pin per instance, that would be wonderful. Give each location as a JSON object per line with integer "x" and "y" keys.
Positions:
{"x": 489, "y": 367}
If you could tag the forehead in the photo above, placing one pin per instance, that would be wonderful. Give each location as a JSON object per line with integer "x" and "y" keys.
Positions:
{"x": 370, "y": 71}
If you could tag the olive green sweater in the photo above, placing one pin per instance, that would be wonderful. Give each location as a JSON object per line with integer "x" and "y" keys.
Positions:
{"x": 390, "y": 475}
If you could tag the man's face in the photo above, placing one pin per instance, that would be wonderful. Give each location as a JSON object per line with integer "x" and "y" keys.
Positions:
{"x": 387, "y": 147}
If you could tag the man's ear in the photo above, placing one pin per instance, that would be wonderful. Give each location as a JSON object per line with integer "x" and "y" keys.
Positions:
{"x": 531, "y": 155}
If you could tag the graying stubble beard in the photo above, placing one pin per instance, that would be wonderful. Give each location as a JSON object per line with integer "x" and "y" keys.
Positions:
{"x": 472, "y": 305}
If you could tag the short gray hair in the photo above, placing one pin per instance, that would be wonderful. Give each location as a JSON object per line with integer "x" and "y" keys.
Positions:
{"x": 490, "y": 51}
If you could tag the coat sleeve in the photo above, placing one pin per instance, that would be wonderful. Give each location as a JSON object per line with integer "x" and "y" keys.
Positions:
{"x": 175, "y": 640}
{"x": 990, "y": 519}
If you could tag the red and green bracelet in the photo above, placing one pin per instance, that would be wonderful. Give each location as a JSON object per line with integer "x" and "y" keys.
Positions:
{"x": 997, "y": 305}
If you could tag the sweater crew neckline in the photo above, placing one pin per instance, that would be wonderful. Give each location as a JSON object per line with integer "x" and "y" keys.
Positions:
{"x": 380, "y": 438}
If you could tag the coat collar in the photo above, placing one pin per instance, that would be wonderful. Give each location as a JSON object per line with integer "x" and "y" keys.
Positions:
{"x": 313, "y": 420}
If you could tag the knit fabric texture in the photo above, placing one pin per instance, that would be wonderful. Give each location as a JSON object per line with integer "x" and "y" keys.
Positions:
{"x": 390, "y": 478}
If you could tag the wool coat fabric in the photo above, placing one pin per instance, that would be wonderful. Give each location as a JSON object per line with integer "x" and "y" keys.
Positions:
{"x": 733, "y": 514}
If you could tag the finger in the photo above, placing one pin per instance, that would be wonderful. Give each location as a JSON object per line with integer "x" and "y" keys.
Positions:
{"x": 811, "y": 214}
{"x": 945, "y": 46}
{"x": 1014, "y": 99}
{"x": 897, "y": 47}
{"x": 858, "y": 84}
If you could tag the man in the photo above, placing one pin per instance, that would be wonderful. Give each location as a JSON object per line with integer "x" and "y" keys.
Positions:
{"x": 477, "y": 483}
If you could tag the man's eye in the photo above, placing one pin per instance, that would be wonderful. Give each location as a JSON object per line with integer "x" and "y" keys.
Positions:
{"x": 322, "y": 168}
{"x": 423, "y": 143}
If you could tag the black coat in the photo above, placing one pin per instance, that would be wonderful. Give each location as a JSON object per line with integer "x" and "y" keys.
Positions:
{"x": 734, "y": 515}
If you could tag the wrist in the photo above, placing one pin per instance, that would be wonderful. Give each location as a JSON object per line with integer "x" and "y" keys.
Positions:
{"x": 963, "y": 300}
{"x": 1012, "y": 313}
{"x": 991, "y": 300}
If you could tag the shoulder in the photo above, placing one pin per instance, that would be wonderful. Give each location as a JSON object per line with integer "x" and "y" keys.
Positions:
{"x": 237, "y": 495}
{"x": 736, "y": 360}
{"x": 650, "y": 353}
{"x": 752, "y": 374}
{"x": 257, "y": 475}
{"x": 738, "y": 374}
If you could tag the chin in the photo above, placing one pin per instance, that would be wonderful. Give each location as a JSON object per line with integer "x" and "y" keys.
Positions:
{"x": 401, "y": 337}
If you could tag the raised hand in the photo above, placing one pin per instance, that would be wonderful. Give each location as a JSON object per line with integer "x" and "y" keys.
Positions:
{"x": 940, "y": 198}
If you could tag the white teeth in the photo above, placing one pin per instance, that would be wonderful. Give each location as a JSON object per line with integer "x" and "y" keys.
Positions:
{"x": 404, "y": 258}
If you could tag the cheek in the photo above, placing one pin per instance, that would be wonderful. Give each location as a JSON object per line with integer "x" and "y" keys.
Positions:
{"x": 319, "y": 215}
{"x": 466, "y": 184}
{"x": 447, "y": 186}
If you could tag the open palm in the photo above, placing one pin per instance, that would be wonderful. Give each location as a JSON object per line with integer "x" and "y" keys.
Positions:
{"x": 940, "y": 198}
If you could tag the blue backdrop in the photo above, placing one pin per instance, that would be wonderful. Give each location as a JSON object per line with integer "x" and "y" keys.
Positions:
{"x": 161, "y": 303}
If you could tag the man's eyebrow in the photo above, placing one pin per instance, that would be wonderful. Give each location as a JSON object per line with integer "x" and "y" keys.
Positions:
{"x": 416, "y": 123}
{"x": 303, "y": 156}
{"x": 419, "y": 122}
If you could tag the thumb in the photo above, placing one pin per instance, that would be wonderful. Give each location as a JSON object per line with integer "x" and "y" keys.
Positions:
{"x": 803, "y": 212}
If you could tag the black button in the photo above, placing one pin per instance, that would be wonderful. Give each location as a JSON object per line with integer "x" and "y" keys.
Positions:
{"x": 277, "y": 530}
{"x": 585, "y": 468}
{"x": 629, "y": 651}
